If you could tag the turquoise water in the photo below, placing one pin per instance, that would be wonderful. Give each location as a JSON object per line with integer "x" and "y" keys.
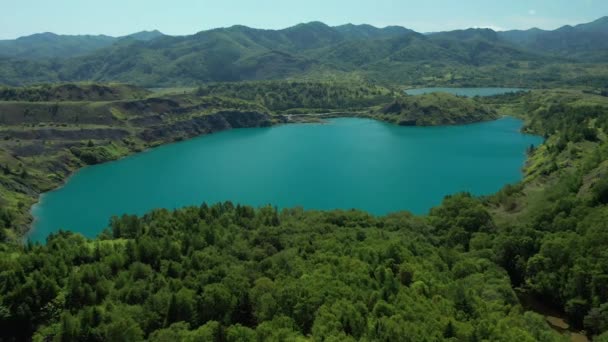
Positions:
{"x": 345, "y": 163}
{"x": 468, "y": 92}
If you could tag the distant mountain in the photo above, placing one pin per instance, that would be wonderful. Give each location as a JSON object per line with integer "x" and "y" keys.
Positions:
{"x": 483, "y": 47}
{"x": 357, "y": 51}
{"x": 45, "y": 45}
{"x": 522, "y": 37}
{"x": 242, "y": 53}
{"x": 597, "y": 26}
{"x": 145, "y": 35}
{"x": 586, "y": 42}
{"x": 312, "y": 35}
{"x": 312, "y": 49}
{"x": 50, "y": 45}
{"x": 368, "y": 31}
{"x": 468, "y": 34}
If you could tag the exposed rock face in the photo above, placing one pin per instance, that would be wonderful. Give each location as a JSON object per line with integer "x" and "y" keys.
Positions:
{"x": 206, "y": 124}
{"x": 65, "y": 134}
{"x": 146, "y": 121}
{"x": 148, "y": 106}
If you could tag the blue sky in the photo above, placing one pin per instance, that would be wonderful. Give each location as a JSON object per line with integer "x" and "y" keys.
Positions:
{"x": 179, "y": 17}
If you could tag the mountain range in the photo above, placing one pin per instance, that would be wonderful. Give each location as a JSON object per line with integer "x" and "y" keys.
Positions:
{"x": 306, "y": 50}
{"x": 580, "y": 41}
{"x": 51, "y": 45}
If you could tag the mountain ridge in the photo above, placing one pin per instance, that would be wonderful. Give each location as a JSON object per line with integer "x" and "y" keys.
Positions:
{"x": 600, "y": 24}
{"x": 236, "y": 53}
{"x": 581, "y": 41}
{"x": 51, "y": 45}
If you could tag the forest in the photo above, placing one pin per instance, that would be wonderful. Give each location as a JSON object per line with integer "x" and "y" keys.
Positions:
{"x": 235, "y": 273}
{"x": 534, "y": 58}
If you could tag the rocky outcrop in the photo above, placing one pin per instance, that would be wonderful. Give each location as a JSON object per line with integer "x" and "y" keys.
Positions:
{"x": 205, "y": 124}
{"x": 148, "y": 106}
{"x": 65, "y": 134}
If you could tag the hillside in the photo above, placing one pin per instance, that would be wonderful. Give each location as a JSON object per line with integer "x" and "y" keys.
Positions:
{"x": 433, "y": 110}
{"x": 292, "y": 97}
{"x": 50, "y": 45}
{"x": 316, "y": 51}
{"x": 586, "y": 42}
{"x": 553, "y": 224}
{"x": 72, "y": 92}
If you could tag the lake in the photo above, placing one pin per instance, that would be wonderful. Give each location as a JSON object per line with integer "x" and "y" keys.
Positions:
{"x": 344, "y": 163}
{"x": 468, "y": 92}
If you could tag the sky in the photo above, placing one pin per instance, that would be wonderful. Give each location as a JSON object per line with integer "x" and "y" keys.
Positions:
{"x": 182, "y": 17}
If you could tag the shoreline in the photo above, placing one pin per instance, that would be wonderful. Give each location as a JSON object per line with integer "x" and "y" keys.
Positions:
{"x": 40, "y": 198}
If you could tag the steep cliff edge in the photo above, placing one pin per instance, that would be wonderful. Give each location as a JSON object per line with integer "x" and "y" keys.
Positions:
{"x": 42, "y": 143}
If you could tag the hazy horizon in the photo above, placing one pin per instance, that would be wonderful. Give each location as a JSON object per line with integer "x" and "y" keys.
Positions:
{"x": 185, "y": 17}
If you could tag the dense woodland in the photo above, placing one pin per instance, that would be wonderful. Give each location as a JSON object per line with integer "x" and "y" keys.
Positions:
{"x": 233, "y": 273}
{"x": 555, "y": 237}
{"x": 295, "y": 97}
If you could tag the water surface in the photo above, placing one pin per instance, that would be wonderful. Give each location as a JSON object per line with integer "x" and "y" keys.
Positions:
{"x": 346, "y": 163}
{"x": 468, "y": 92}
